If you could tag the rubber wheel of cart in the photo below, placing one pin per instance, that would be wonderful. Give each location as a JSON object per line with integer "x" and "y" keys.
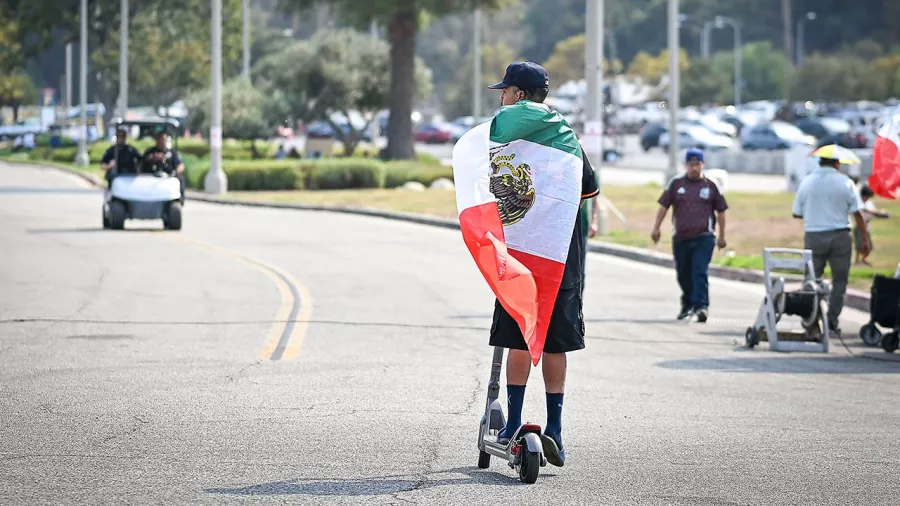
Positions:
{"x": 870, "y": 334}
{"x": 891, "y": 342}
{"x": 173, "y": 219}
{"x": 751, "y": 337}
{"x": 116, "y": 215}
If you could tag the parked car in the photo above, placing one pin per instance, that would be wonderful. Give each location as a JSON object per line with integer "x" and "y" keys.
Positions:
{"x": 433, "y": 133}
{"x": 775, "y": 135}
{"x": 691, "y": 136}
{"x": 828, "y": 130}
{"x": 22, "y": 127}
{"x": 649, "y": 135}
{"x": 323, "y": 130}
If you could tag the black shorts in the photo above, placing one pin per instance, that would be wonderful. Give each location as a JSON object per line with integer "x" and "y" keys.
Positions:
{"x": 566, "y": 332}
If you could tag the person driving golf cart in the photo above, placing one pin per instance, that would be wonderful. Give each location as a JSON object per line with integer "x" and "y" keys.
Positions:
{"x": 120, "y": 158}
{"x": 160, "y": 158}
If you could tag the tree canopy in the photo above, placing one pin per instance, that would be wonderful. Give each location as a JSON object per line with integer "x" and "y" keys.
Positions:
{"x": 246, "y": 117}
{"x": 334, "y": 72}
{"x": 403, "y": 18}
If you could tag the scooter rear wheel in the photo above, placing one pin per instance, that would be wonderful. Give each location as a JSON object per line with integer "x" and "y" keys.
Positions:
{"x": 484, "y": 460}
{"x": 531, "y": 465}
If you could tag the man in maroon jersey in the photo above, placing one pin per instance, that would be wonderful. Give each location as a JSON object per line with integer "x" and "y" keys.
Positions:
{"x": 697, "y": 206}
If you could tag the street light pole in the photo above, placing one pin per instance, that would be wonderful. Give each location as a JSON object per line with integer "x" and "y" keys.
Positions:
{"x": 68, "y": 76}
{"x": 216, "y": 181}
{"x": 706, "y": 46}
{"x": 800, "y": 36}
{"x": 123, "y": 62}
{"x": 674, "y": 90}
{"x": 476, "y": 62}
{"x": 245, "y": 9}
{"x": 82, "y": 158}
{"x": 374, "y": 127}
{"x": 721, "y": 21}
{"x": 594, "y": 118}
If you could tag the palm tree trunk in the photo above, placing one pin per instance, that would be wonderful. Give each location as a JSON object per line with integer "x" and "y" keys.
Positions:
{"x": 402, "y": 30}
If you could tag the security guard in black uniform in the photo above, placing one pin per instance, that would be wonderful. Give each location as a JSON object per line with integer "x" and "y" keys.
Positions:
{"x": 160, "y": 158}
{"x": 120, "y": 158}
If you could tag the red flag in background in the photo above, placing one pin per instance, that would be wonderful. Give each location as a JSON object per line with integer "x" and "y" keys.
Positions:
{"x": 885, "y": 176}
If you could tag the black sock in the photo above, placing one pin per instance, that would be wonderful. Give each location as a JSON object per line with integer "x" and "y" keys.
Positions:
{"x": 554, "y": 416}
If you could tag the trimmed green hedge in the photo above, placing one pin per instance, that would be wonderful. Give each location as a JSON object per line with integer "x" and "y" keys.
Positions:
{"x": 318, "y": 174}
{"x": 400, "y": 172}
{"x": 340, "y": 174}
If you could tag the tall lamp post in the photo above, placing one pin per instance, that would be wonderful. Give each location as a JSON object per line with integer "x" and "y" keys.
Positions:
{"x": 593, "y": 127}
{"x": 123, "y": 62}
{"x": 82, "y": 158}
{"x": 721, "y": 21}
{"x": 811, "y": 16}
{"x": 216, "y": 181}
{"x": 704, "y": 33}
{"x": 476, "y": 62}
{"x": 674, "y": 90}
{"x": 245, "y": 18}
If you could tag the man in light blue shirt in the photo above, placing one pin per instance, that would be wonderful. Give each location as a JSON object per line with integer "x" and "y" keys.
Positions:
{"x": 824, "y": 201}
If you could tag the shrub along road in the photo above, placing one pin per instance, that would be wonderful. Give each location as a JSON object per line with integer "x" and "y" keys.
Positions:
{"x": 142, "y": 366}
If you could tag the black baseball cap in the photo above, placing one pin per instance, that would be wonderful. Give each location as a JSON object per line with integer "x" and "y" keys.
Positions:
{"x": 525, "y": 75}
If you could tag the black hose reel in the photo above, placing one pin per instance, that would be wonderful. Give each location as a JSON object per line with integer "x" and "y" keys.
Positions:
{"x": 803, "y": 303}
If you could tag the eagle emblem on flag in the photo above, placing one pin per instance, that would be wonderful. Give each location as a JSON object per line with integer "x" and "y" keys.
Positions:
{"x": 513, "y": 189}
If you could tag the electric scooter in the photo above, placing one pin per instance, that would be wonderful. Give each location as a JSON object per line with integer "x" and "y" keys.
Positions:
{"x": 524, "y": 451}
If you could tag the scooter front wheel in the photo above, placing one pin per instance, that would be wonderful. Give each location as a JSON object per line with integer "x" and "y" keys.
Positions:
{"x": 531, "y": 465}
{"x": 484, "y": 460}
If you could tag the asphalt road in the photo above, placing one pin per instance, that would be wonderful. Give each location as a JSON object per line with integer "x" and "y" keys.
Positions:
{"x": 130, "y": 372}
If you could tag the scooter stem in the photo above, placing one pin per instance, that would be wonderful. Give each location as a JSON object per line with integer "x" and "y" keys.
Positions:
{"x": 494, "y": 383}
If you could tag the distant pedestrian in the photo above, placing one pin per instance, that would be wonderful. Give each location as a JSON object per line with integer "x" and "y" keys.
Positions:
{"x": 825, "y": 200}
{"x": 868, "y": 210}
{"x": 698, "y": 206}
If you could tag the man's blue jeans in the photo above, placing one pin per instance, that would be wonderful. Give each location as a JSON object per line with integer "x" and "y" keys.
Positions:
{"x": 692, "y": 257}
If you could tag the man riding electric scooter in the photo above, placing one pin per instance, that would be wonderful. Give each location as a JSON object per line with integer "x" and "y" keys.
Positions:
{"x": 529, "y": 81}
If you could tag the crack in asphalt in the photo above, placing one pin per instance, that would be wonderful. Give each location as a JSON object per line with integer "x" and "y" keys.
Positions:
{"x": 47, "y": 408}
{"x": 422, "y": 478}
{"x": 232, "y": 378}
{"x": 132, "y": 430}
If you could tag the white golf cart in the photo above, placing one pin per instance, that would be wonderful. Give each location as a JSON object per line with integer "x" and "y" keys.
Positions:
{"x": 148, "y": 195}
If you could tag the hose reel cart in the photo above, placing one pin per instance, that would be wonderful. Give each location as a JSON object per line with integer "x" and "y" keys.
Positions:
{"x": 808, "y": 302}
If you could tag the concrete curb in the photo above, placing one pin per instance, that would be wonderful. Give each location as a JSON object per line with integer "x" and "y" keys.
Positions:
{"x": 854, "y": 298}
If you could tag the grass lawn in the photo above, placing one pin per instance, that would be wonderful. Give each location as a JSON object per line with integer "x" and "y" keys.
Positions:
{"x": 755, "y": 221}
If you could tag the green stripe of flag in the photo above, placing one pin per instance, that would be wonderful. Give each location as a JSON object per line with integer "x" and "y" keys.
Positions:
{"x": 534, "y": 122}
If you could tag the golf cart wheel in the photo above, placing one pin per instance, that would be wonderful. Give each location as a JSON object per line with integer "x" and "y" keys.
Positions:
{"x": 117, "y": 215}
{"x": 105, "y": 217}
{"x": 890, "y": 342}
{"x": 484, "y": 460}
{"x": 751, "y": 337}
{"x": 173, "y": 219}
{"x": 531, "y": 465}
{"x": 870, "y": 334}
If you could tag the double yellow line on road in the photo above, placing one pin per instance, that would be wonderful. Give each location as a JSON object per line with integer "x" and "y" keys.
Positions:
{"x": 292, "y": 319}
